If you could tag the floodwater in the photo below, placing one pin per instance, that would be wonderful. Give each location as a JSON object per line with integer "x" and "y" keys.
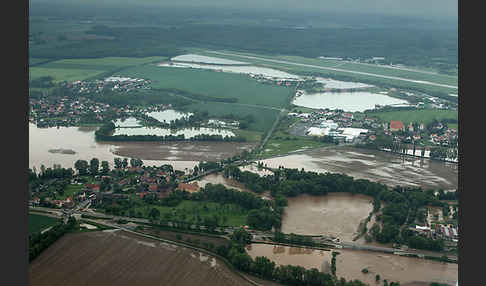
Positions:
{"x": 254, "y": 169}
{"x": 205, "y": 59}
{"x": 336, "y": 215}
{"x": 347, "y": 101}
{"x": 285, "y": 255}
{"x": 168, "y": 115}
{"x": 218, "y": 178}
{"x": 187, "y": 132}
{"x": 181, "y": 155}
{"x": 127, "y": 122}
{"x": 251, "y": 70}
{"x": 349, "y": 264}
{"x": 387, "y": 168}
{"x": 337, "y": 84}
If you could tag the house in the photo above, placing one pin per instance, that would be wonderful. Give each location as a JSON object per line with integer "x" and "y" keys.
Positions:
{"x": 396, "y": 125}
{"x": 153, "y": 187}
{"x": 410, "y": 127}
{"x": 188, "y": 187}
{"x": 68, "y": 203}
{"x": 348, "y": 115}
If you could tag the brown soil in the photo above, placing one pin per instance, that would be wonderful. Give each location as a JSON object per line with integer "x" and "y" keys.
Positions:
{"x": 121, "y": 258}
{"x": 170, "y": 235}
{"x": 181, "y": 151}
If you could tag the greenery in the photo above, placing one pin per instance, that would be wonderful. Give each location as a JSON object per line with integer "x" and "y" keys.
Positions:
{"x": 39, "y": 242}
{"x": 425, "y": 116}
{"x": 39, "y": 222}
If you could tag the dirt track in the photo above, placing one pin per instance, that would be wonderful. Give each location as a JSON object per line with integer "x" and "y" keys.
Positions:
{"x": 120, "y": 258}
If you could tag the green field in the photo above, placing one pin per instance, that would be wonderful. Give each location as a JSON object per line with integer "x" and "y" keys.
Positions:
{"x": 40, "y": 222}
{"x": 264, "y": 118}
{"x": 420, "y": 116}
{"x": 214, "y": 84}
{"x": 70, "y": 191}
{"x": 281, "y": 144}
{"x": 189, "y": 210}
{"x": 82, "y": 69}
{"x": 436, "y": 78}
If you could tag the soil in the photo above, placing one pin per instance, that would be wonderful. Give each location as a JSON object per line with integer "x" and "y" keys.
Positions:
{"x": 121, "y": 258}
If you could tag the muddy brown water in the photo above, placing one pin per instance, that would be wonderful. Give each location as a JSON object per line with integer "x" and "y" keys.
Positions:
{"x": 349, "y": 264}
{"x": 180, "y": 155}
{"x": 218, "y": 178}
{"x": 337, "y": 214}
{"x": 374, "y": 165}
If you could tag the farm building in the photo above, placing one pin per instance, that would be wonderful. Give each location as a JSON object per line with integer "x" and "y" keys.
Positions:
{"x": 396, "y": 125}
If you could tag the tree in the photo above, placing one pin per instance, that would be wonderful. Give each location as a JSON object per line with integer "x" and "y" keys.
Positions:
{"x": 81, "y": 166}
{"x": 94, "y": 166}
{"x": 154, "y": 214}
{"x": 241, "y": 236}
{"x": 105, "y": 167}
{"x": 118, "y": 163}
{"x": 125, "y": 163}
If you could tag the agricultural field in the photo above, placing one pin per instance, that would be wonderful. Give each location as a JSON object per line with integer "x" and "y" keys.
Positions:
{"x": 264, "y": 117}
{"x": 281, "y": 144}
{"x": 213, "y": 84}
{"x": 122, "y": 258}
{"x": 39, "y": 222}
{"x": 422, "y": 116}
{"x": 81, "y": 69}
{"x": 267, "y": 60}
{"x": 229, "y": 214}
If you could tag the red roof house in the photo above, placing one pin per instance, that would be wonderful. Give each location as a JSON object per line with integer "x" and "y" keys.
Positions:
{"x": 396, "y": 125}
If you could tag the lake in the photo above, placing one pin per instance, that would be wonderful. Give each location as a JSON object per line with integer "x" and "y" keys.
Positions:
{"x": 336, "y": 215}
{"x": 347, "y": 101}
{"x": 337, "y": 84}
{"x": 168, "y": 115}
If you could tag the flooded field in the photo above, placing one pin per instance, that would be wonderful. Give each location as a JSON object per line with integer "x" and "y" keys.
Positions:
{"x": 254, "y": 169}
{"x": 323, "y": 215}
{"x": 168, "y": 115}
{"x": 205, "y": 59}
{"x": 347, "y": 101}
{"x": 218, "y": 178}
{"x": 285, "y": 255}
{"x": 378, "y": 166}
{"x": 253, "y": 70}
{"x": 81, "y": 140}
{"x": 187, "y": 132}
{"x": 337, "y": 84}
{"x": 349, "y": 264}
{"x": 127, "y": 122}
{"x": 393, "y": 268}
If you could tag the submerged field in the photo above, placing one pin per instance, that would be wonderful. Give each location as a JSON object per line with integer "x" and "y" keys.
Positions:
{"x": 121, "y": 258}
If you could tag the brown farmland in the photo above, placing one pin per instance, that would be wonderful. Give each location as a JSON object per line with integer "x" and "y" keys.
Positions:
{"x": 121, "y": 258}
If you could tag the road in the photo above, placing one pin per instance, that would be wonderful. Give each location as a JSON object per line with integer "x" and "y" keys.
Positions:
{"x": 337, "y": 69}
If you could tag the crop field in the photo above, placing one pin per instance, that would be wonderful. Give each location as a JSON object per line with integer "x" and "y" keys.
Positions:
{"x": 421, "y": 116}
{"x": 122, "y": 258}
{"x": 81, "y": 69}
{"x": 264, "y": 117}
{"x": 39, "y": 222}
{"x": 191, "y": 210}
{"x": 214, "y": 84}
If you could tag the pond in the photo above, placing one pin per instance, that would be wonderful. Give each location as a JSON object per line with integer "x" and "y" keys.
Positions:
{"x": 127, "y": 122}
{"x": 336, "y": 214}
{"x": 347, "y": 101}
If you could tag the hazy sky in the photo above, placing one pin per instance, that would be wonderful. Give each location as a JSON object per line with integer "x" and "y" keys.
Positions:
{"x": 417, "y": 8}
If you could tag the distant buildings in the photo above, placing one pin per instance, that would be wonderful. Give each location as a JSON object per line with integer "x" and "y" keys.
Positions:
{"x": 396, "y": 126}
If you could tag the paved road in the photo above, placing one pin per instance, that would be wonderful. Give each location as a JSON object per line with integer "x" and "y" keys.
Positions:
{"x": 337, "y": 69}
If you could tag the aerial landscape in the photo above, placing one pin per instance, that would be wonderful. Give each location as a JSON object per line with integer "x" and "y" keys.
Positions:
{"x": 243, "y": 143}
